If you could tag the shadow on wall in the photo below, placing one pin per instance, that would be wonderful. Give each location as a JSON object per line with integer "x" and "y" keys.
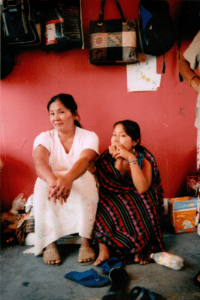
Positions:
{"x": 16, "y": 177}
{"x": 187, "y": 169}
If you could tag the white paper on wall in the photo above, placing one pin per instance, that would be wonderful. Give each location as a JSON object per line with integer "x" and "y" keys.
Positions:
{"x": 142, "y": 76}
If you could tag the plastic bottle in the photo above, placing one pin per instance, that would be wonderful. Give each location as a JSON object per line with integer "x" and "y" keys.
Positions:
{"x": 197, "y": 221}
{"x": 168, "y": 260}
{"x": 198, "y": 229}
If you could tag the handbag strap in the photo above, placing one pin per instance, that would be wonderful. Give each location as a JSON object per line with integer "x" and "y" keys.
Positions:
{"x": 101, "y": 14}
{"x": 11, "y": 3}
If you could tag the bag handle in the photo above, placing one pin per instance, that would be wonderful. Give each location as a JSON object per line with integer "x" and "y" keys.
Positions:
{"x": 11, "y": 3}
{"x": 101, "y": 14}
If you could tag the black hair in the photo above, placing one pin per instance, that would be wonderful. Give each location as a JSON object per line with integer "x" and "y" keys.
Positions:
{"x": 69, "y": 102}
{"x": 133, "y": 130}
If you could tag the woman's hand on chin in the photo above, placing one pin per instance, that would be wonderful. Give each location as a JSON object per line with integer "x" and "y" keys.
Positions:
{"x": 115, "y": 150}
{"x": 112, "y": 150}
{"x": 118, "y": 151}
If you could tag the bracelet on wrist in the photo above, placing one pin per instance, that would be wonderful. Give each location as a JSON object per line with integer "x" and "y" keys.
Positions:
{"x": 133, "y": 160}
{"x": 190, "y": 80}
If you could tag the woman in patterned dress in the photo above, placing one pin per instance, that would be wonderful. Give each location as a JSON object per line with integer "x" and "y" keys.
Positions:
{"x": 130, "y": 198}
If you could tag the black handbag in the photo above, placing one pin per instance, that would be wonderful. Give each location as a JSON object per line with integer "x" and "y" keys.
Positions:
{"x": 62, "y": 26}
{"x": 18, "y": 24}
{"x": 156, "y": 29}
{"x": 113, "y": 41}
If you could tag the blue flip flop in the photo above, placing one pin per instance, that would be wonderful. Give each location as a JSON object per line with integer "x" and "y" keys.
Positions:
{"x": 137, "y": 293}
{"x": 111, "y": 263}
{"x": 140, "y": 293}
{"x": 89, "y": 278}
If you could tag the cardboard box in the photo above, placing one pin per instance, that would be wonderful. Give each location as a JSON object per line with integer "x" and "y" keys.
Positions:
{"x": 183, "y": 212}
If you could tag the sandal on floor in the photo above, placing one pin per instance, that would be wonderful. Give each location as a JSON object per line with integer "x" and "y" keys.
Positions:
{"x": 196, "y": 282}
{"x": 110, "y": 264}
{"x": 51, "y": 254}
{"x": 140, "y": 293}
{"x": 118, "y": 296}
{"x": 89, "y": 278}
{"x": 137, "y": 293}
{"x": 86, "y": 253}
{"x": 119, "y": 280}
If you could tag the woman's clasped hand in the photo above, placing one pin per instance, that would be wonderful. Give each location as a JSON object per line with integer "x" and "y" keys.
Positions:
{"x": 59, "y": 189}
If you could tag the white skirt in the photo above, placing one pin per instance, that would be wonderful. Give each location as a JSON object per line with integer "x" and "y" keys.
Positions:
{"x": 77, "y": 215}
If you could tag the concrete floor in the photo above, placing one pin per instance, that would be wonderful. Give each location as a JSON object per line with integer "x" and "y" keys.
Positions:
{"x": 24, "y": 276}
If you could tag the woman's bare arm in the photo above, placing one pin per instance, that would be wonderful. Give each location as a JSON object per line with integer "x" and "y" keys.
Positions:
{"x": 141, "y": 178}
{"x": 41, "y": 161}
{"x": 64, "y": 183}
{"x": 188, "y": 74}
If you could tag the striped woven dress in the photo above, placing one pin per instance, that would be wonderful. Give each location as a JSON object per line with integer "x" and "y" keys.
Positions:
{"x": 128, "y": 222}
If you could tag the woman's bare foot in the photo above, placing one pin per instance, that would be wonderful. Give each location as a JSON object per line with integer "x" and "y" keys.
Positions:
{"x": 138, "y": 259}
{"x": 51, "y": 255}
{"x": 10, "y": 239}
{"x": 103, "y": 254}
{"x": 196, "y": 279}
{"x": 86, "y": 252}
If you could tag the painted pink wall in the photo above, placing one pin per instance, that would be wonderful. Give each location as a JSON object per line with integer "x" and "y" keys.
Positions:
{"x": 166, "y": 116}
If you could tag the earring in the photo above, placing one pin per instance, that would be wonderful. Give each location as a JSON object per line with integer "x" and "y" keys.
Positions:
{"x": 134, "y": 151}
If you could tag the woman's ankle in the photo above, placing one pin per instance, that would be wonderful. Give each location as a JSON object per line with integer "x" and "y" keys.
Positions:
{"x": 52, "y": 245}
{"x": 85, "y": 242}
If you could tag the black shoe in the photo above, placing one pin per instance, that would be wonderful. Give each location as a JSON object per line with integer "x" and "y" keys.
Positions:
{"x": 118, "y": 296}
{"x": 119, "y": 280}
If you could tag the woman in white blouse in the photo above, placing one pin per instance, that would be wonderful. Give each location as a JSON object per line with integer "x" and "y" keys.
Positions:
{"x": 65, "y": 194}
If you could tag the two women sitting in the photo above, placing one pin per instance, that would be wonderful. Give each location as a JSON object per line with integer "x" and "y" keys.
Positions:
{"x": 122, "y": 215}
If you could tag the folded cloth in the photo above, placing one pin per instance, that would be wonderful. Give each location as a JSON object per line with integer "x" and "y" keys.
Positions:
{"x": 89, "y": 278}
{"x": 29, "y": 206}
{"x": 25, "y": 226}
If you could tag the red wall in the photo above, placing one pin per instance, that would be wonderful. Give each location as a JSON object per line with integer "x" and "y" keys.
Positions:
{"x": 166, "y": 116}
